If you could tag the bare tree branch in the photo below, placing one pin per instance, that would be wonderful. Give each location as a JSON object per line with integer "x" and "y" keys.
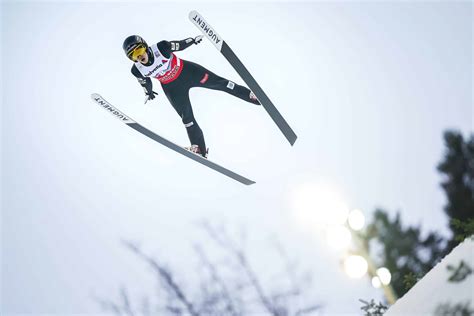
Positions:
{"x": 216, "y": 278}
{"x": 308, "y": 310}
{"x": 228, "y": 286}
{"x": 166, "y": 277}
{"x": 126, "y": 302}
{"x": 229, "y": 245}
{"x": 109, "y": 306}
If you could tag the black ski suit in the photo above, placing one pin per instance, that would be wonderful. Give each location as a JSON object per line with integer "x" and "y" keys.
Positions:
{"x": 192, "y": 75}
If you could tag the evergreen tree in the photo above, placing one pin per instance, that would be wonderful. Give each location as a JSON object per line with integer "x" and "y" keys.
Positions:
{"x": 402, "y": 250}
{"x": 458, "y": 168}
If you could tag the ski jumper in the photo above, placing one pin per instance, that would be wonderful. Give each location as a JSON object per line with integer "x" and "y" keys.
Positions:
{"x": 177, "y": 76}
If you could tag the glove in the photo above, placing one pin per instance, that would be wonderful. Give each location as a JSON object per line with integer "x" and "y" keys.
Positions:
{"x": 150, "y": 95}
{"x": 198, "y": 39}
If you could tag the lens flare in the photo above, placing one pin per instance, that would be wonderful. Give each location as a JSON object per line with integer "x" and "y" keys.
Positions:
{"x": 355, "y": 266}
{"x": 384, "y": 275}
{"x": 356, "y": 219}
{"x": 376, "y": 282}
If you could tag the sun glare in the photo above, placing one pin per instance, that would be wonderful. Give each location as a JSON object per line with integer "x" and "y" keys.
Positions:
{"x": 339, "y": 237}
{"x": 317, "y": 206}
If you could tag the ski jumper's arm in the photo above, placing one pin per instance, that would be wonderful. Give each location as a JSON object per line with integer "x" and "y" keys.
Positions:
{"x": 145, "y": 82}
{"x": 167, "y": 47}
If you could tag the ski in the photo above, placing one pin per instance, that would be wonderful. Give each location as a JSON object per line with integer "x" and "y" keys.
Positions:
{"x": 145, "y": 131}
{"x": 225, "y": 50}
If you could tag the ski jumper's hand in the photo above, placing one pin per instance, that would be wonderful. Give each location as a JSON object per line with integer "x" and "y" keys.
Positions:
{"x": 150, "y": 95}
{"x": 198, "y": 39}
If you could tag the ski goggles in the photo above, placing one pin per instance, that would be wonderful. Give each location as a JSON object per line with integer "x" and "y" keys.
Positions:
{"x": 137, "y": 51}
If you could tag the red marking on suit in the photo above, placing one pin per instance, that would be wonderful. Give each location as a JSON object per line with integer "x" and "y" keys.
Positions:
{"x": 204, "y": 79}
{"x": 174, "y": 72}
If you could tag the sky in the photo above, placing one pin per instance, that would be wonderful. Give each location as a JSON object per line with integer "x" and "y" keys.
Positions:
{"x": 368, "y": 87}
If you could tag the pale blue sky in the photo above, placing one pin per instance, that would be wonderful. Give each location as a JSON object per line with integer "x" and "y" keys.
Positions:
{"x": 368, "y": 87}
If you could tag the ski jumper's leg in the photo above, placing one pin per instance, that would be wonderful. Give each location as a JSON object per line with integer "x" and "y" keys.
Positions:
{"x": 178, "y": 95}
{"x": 207, "y": 79}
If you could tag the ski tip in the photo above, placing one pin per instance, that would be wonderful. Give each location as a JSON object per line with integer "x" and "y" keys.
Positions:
{"x": 192, "y": 14}
{"x": 95, "y": 96}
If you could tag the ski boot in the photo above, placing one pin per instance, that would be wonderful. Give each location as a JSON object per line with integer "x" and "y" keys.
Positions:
{"x": 253, "y": 98}
{"x": 196, "y": 150}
